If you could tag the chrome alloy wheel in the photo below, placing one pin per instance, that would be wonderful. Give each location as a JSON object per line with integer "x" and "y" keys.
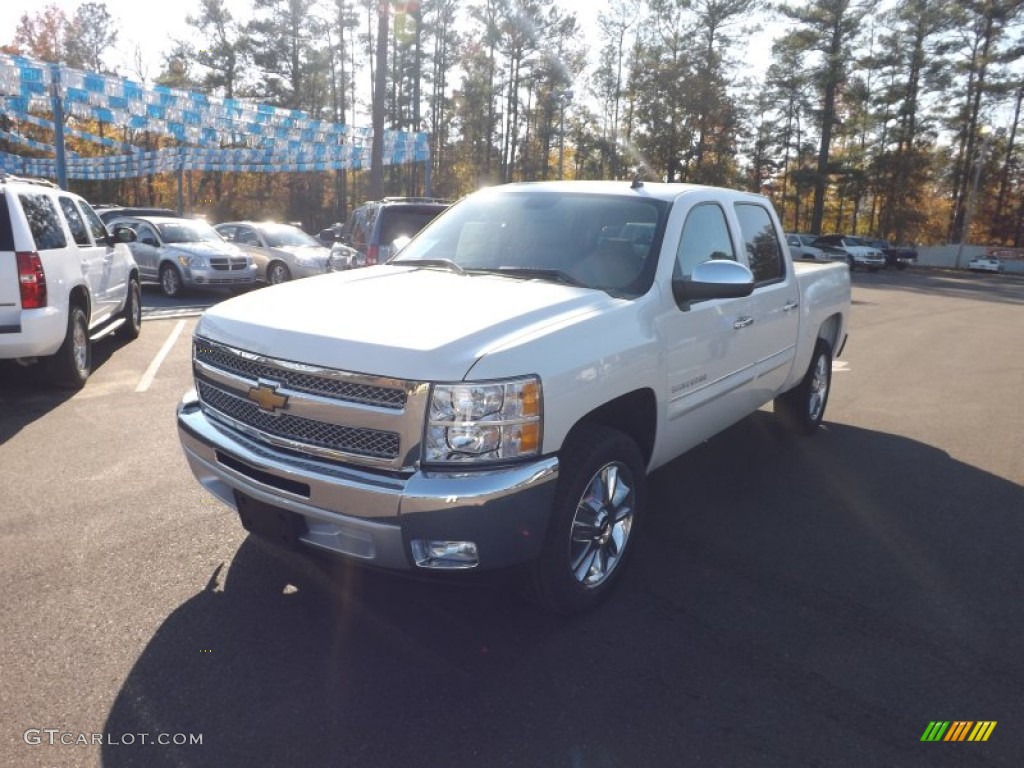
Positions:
{"x": 602, "y": 523}
{"x": 819, "y": 387}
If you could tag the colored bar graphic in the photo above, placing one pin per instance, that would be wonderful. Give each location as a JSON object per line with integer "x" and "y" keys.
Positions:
{"x": 958, "y": 730}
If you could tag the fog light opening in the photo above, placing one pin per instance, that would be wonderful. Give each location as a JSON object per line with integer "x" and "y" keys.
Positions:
{"x": 427, "y": 553}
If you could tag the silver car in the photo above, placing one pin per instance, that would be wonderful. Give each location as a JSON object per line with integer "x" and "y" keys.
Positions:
{"x": 185, "y": 253}
{"x": 281, "y": 251}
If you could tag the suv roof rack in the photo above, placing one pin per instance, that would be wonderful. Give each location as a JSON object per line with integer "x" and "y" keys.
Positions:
{"x": 6, "y": 176}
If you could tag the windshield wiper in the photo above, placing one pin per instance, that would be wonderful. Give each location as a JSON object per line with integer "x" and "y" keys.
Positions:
{"x": 539, "y": 272}
{"x": 443, "y": 263}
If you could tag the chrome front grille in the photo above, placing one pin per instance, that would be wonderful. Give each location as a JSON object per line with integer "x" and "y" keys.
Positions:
{"x": 320, "y": 412}
{"x": 337, "y": 387}
{"x": 363, "y": 442}
{"x": 228, "y": 263}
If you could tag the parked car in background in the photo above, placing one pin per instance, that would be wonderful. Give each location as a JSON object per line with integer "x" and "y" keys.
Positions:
{"x": 373, "y": 227}
{"x": 858, "y": 253}
{"x": 64, "y": 281}
{"x": 985, "y": 264}
{"x": 895, "y": 256}
{"x": 281, "y": 251}
{"x": 800, "y": 247}
{"x": 108, "y": 212}
{"x": 185, "y": 253}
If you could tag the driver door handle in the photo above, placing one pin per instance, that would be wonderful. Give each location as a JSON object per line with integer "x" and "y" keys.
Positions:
{"x": 743, "y": 322}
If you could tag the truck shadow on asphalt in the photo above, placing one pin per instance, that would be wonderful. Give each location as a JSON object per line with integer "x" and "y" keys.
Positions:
{"x": 846, "y": 579}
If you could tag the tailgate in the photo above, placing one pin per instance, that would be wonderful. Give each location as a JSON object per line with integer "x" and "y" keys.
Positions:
{"x": 10, "y": 291}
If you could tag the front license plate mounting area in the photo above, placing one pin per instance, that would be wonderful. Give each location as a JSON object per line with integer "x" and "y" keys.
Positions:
{"x": 281, "y": 526}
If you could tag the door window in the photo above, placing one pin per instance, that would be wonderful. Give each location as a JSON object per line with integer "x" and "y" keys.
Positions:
{"x": 74, "y": 220}
{"x": 95, "y": 224}
{"x": 762, "y": 243}
{"x": 705, "y": 237}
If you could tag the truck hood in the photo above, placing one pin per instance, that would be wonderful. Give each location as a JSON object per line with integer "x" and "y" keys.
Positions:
{"x": 410, "y": 323}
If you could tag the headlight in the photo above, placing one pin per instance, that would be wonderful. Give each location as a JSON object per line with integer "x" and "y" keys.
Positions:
{"x": 195, "y": 262}
{"x": 492, "y": 421}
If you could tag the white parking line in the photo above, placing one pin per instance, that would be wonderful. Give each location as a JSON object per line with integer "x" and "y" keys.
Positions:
{"x": 838, "y": 366}
{"x": 150, "y": 374}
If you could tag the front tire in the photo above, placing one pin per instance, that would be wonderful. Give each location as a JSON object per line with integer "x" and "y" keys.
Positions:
{"x": 278, "y": 273}
{"x": 170, "y": 280}
{"x": 71, "y": 365}
{"x": 132, "y": 312}
{"x": 802, "y": 408}
{"x": 601, "y": 493}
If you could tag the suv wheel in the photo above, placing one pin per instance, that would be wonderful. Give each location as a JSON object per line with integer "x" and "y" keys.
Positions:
{"x": 132, "y": 312}
{"x": 71, "y": 365}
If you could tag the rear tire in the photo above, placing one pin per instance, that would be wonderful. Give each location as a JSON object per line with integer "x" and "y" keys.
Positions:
{"x": 602, "y": 490}
{"x": 71, "y": 365}
{"x": 802, "y": 408}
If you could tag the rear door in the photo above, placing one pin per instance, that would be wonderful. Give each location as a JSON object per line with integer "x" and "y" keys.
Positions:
{"x": 768, "y": 341}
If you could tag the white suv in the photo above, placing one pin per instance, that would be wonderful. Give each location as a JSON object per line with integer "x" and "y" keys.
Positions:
{"x": 64, "y": 281}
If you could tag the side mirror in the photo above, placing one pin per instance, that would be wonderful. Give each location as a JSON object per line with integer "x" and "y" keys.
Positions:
{"x": 124, "y": 234}
{"x": 715, "y": 279}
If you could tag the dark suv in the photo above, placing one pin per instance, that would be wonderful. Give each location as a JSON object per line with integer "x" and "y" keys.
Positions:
{"x": 372, "y": 228}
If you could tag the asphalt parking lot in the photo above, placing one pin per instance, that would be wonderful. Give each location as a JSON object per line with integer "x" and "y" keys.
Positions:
{"x": 791, "y": 602}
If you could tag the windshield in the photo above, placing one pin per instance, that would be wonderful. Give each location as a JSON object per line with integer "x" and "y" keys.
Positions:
{"x": 609, "y": 242}
{"x": 188, "y": 232}
{"x": 283, "y": 235}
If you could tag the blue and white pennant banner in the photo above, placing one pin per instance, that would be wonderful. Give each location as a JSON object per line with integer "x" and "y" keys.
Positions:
{"x": 198, "y": 119}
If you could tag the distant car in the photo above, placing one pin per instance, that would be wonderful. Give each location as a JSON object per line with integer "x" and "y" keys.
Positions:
{"x": 858, "y": 253}
{"x": 895, "y": 255}
{"x": 185, "y": 253}
{"x": 800, "y": 247}
{"x": 985, "y": 264}
{"x": 368, "y": 236}
{"x": 281, "y": 251}
{"x": 110, "y": 212}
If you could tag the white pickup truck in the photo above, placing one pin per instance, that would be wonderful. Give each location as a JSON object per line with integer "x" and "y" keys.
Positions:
{"x": 497, "y": 393}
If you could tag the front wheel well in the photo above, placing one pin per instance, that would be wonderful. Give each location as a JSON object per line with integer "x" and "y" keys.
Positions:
{"x": 634, "y": 413}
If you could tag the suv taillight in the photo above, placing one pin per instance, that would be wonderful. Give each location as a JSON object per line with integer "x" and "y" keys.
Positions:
{"x": 32, "y": 280}
{"x": 372, "y": 251}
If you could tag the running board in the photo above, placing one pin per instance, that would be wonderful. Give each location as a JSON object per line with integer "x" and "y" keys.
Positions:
{"x": 108, "y": 329}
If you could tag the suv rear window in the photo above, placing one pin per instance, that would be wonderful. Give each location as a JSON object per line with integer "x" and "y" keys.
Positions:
{"x": 44, "y": 222}
{"x": 396, "y": 222}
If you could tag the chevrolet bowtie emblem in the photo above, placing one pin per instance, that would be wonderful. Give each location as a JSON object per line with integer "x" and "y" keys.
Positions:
{"x": 266, "y": 397}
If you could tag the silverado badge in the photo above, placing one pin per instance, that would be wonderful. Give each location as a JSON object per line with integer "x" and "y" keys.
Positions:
{"x": 266, "y": 397}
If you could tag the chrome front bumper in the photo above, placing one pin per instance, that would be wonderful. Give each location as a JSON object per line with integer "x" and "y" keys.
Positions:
{"x": 373, "y": 516}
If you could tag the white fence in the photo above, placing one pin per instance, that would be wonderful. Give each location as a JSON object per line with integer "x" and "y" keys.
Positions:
{"x": 945, "y": 256}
